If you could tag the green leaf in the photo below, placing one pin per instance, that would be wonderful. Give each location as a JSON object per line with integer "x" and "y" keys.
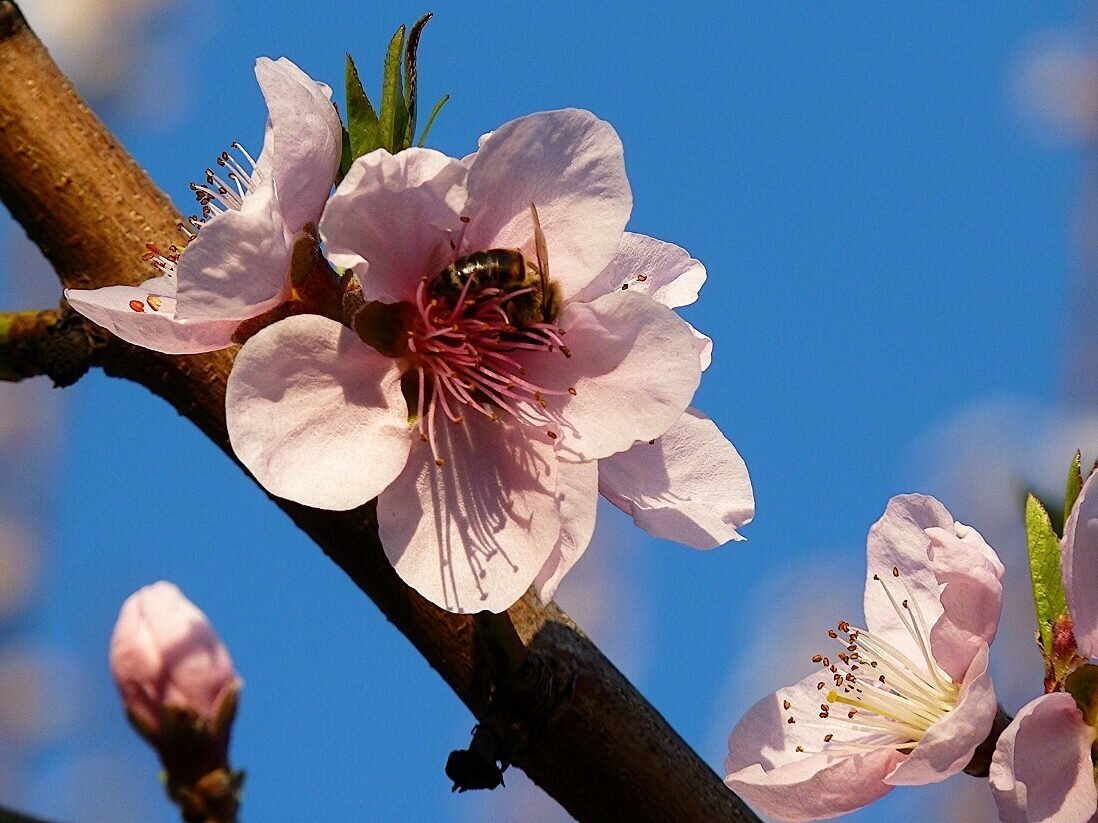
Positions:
{"x": 410, "y": 76}
{"x": 1044, "y": 569}
{"x": 394, "y": 112}
{"x": 363, "y": 129}
{"x": 431, "y": 119}
{"x": 1074, "y": 484}
{"x": 1054, "y": 510}
{"x": 345, "y": 157}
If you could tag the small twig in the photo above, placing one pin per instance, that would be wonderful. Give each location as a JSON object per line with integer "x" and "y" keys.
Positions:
{"x": 57, "y": 343}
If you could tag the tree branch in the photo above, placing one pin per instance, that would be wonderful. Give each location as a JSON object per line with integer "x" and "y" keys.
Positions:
{"x": 9, "y": 816}
{"x": 601, "y": 750}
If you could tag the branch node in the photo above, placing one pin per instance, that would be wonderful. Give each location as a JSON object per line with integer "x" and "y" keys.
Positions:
{"x": 525, "y": 690}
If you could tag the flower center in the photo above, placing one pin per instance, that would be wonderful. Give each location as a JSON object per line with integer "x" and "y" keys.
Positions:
{"x": 465, "y": 353}
{"x": 216, "y": 195}
{"x": 885, "y": 700}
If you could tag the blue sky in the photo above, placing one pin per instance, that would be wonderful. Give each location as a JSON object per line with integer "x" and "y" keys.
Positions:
{"x": 887, "y": 245}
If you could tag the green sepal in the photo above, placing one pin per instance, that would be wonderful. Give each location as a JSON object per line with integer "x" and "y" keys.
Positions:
{"x": 394, "y": 112}
{"x": 1043, "y": 546}
{"x": 383, "y": 326}
{"x": 363, "y": 128}
{"x": 411, "y": 77}
{"x": 304, "y": 257}
{"x": 431, "y": 119}
{"x": 1074, "y": 484}
{"x": 1082, "y": 684}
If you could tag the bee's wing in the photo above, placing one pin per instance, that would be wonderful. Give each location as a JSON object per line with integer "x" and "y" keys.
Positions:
{"x": 541, "y": 250}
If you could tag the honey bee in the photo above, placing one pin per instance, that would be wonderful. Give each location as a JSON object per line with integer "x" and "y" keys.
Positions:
{"x": 507, "y": 270}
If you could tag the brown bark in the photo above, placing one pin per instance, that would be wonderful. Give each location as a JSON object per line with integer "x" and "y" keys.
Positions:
{"x": 601, "y": 750}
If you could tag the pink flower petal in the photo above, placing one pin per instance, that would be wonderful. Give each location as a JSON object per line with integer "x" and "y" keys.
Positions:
{"x": 571, "y": 166}
{"x": 898, "y": 541}
{"x": 472, "y": 534}
{"x": 392, "y": 220}
{"x": 317, "y": 415}
{"x": 705, "y": 348}
{"x": 670, "y": 275}
{"x": 153, "y": 328}
{"x": 577, "y": 502}
{"x": 946, "y": 569}
{"x": 1042, "y": 770}
{"x": 766, "y": 770}
{"x": 306, "y": 139}
{"x": 948, "y": 745}
{"x": 1079, "y": 567}
{"x": 971, "y": 577}
{"x": 239, "y": 265}
{"x": 690, "y": 486}
{"x": 634, "y": 369}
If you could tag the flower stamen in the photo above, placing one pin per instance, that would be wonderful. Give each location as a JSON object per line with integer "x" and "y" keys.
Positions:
{"x": 892, "y": 701}
{"x": 463, "y": 348}
{"x": 215, "y": 196}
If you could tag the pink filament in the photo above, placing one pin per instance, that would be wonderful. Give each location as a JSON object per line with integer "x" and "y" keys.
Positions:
{"x": 462, "y": 351}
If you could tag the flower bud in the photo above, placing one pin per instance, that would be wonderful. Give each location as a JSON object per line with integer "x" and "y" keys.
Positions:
{"x": 180, "y": 691}
{"x": 166, "y": 657}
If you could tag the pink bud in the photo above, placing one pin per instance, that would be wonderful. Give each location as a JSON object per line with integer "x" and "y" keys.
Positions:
{"x": 165, "y": 654}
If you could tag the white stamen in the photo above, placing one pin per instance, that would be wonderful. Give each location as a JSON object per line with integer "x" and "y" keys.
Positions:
{"x": 878, "y": 697}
